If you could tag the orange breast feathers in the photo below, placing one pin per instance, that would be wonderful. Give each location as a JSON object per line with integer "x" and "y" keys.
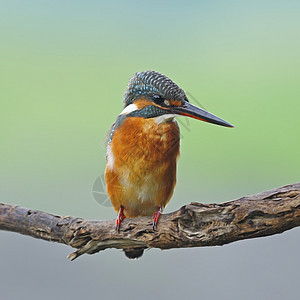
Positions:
{"x": 140, "y": 173}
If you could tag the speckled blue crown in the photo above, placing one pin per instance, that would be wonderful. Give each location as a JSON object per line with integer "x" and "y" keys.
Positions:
{"x": 148, "y": 83}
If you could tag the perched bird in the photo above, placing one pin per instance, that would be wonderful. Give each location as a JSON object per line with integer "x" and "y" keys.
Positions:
{"x": 143, "y": 145}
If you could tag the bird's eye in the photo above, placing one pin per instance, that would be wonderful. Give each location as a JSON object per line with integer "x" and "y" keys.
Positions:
{"x": 158, "y": 99}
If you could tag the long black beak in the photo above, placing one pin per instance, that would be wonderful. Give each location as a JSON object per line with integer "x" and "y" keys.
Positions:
{"x": 192, "y": 111}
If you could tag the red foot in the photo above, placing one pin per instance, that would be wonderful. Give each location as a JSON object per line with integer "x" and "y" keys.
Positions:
{"x": 156, "y": 216}
{"x": 120, "y": 217}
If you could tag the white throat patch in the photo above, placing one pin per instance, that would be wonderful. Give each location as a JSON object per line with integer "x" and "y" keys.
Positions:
{"x": 165, "y": 118}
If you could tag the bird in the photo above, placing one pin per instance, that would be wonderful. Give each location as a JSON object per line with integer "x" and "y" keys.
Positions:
{"x": 144, "y": 144}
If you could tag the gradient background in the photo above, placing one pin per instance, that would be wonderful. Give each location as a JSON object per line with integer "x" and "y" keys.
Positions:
{"x": 64, "y": 68}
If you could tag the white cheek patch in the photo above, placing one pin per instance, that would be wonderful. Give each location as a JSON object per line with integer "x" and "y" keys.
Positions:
{"x": 128, "y": 109}
{"x": 165, "y": 118}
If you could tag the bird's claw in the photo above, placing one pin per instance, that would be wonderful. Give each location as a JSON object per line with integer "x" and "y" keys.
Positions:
{"x": 156, "y": 216}
{"x": 119, "y": 219}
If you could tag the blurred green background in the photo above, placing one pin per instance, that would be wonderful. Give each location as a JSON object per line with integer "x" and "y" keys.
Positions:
{"x": 64, "y": 68}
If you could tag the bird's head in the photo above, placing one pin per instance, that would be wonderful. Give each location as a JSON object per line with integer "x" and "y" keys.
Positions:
{"x": 152, "y": 95}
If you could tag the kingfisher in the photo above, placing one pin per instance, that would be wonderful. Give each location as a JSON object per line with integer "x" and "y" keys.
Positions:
{"x": 143, "y": 145}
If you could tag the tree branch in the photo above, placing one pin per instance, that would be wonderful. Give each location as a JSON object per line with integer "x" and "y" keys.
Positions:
{"x": 193, "y": 225}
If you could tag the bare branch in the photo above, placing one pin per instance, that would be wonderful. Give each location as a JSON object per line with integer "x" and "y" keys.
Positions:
{"x": 193, "y": 225}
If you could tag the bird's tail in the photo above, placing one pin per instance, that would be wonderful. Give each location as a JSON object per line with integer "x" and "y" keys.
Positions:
{"x": 133, "y": 252}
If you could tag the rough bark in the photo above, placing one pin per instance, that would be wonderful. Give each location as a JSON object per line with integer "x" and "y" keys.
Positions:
{"x": 193, "y": 225}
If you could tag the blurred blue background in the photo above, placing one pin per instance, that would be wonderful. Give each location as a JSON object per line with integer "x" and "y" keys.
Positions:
{"x": 64, "y": 68}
